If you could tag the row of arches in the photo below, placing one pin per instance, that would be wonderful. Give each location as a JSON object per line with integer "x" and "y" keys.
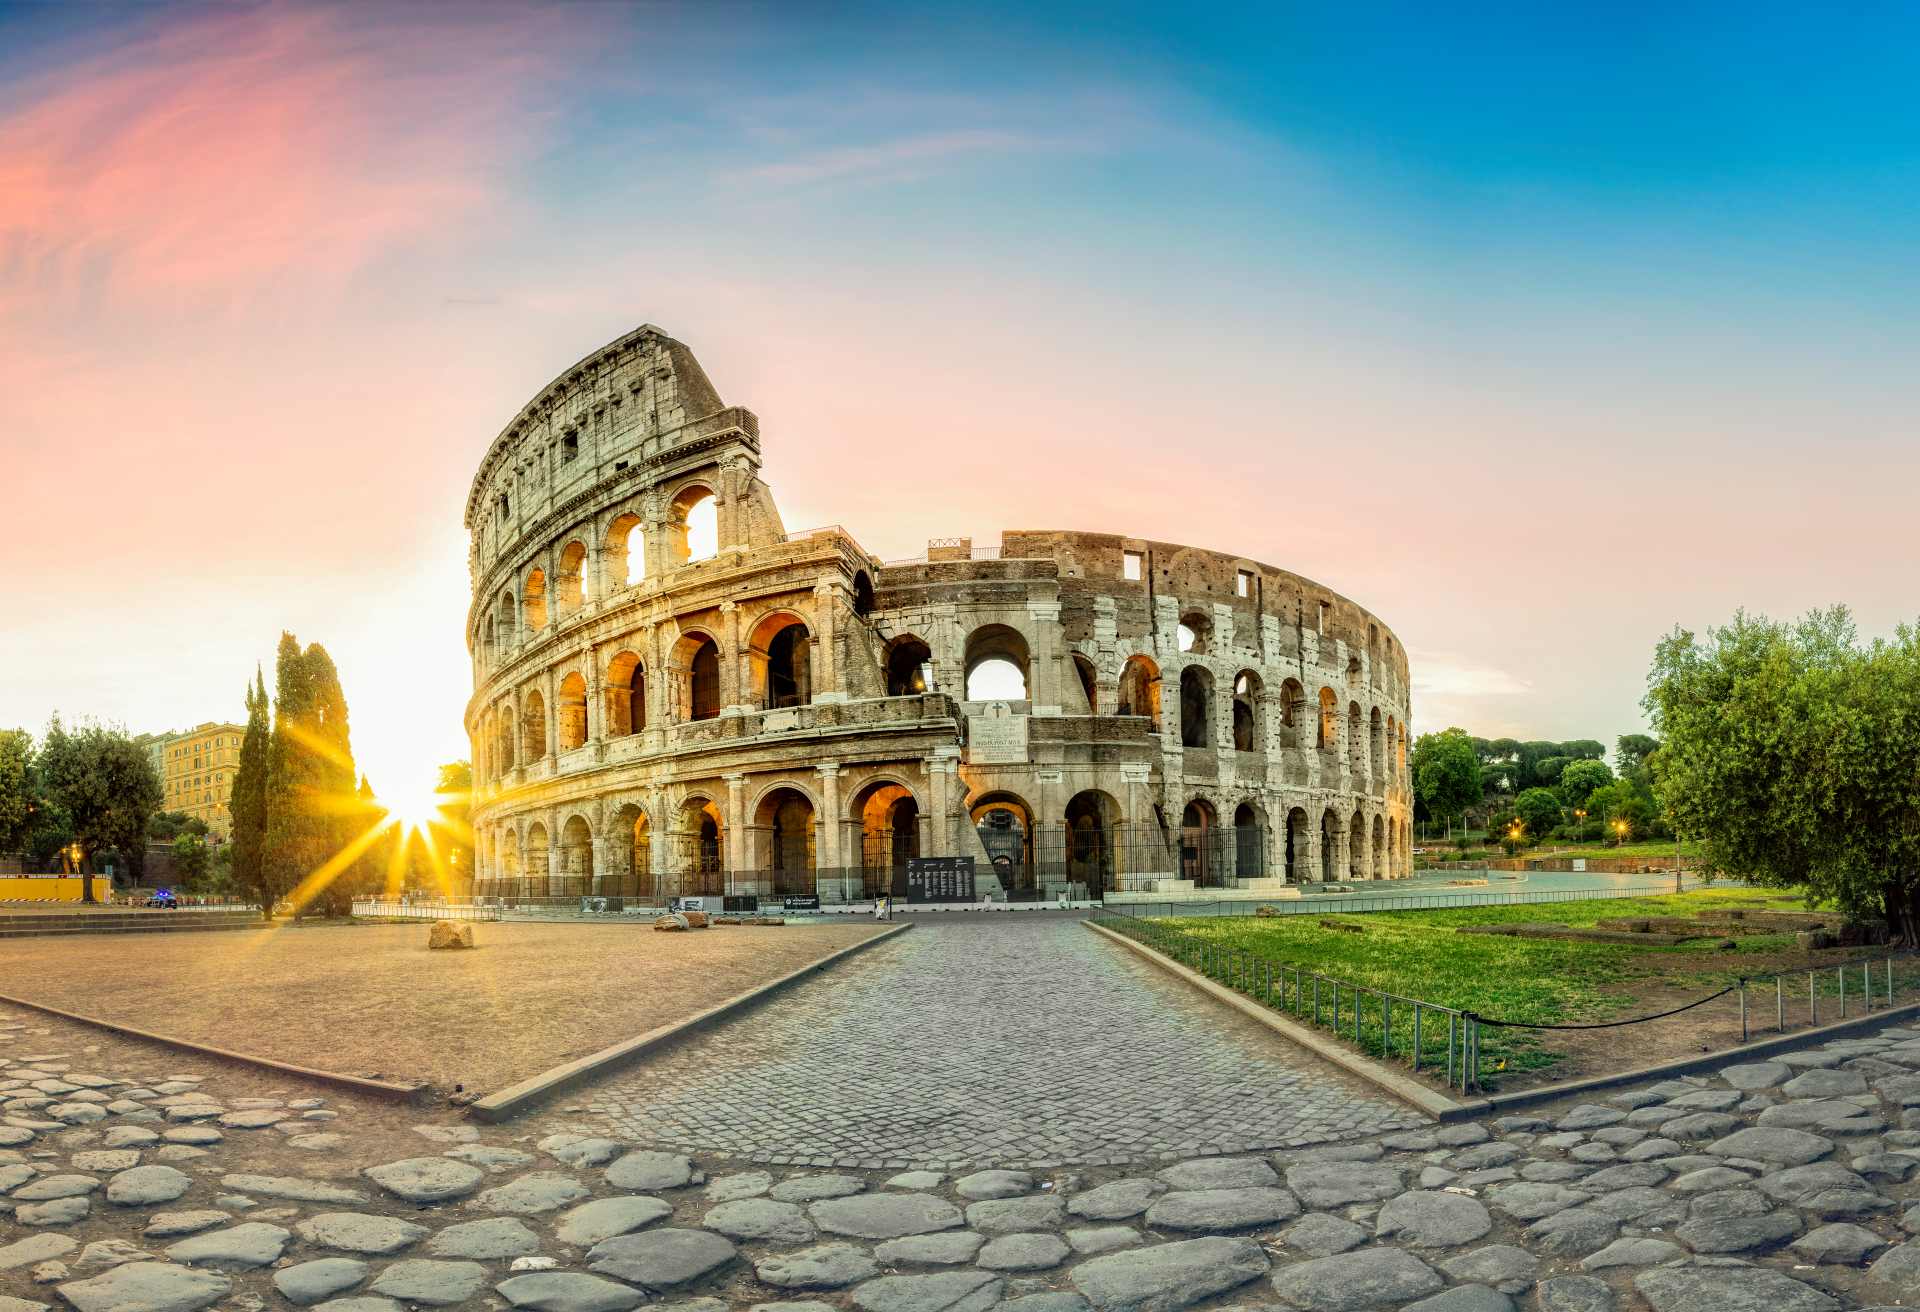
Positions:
{"x": 691, "y": 534}
{"x": 1090, "y": 850}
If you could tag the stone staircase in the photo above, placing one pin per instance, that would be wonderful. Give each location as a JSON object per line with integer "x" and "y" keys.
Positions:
{"x": 36, "y": 924}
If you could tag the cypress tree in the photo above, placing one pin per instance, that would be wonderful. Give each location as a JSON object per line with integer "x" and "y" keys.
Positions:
{"x": 310, "y": 792}
{"x": 249, "y": 802}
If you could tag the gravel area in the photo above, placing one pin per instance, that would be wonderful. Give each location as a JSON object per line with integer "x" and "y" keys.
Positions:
{"x": 527, "y": 997}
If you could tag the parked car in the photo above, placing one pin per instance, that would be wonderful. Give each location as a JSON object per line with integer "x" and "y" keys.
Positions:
{"x": 164, "y": 898}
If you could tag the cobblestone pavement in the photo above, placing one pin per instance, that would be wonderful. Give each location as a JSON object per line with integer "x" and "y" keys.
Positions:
{"x": 988, "y": 1041}
{"x": 128, "y": 1182}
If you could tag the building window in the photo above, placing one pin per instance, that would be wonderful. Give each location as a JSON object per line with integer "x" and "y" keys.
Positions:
{"x": 1243, "y": 583}
{"x": 1325, "y": 606}
{"x": 569, "y": 446}
{"x": 1132, "y": 565}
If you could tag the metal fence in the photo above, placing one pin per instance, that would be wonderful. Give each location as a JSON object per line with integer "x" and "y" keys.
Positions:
{"x": 1320, "y": 904}
{"x": 1390, "y": 1025}
{"x": 1369, "y": 1019}
{"x": 385, "y": 910}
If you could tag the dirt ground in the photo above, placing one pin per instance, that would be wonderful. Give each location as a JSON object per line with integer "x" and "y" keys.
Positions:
{"x": 372, "y": 1000}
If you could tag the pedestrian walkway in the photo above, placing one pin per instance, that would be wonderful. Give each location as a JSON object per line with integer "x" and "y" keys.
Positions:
{"x": 988, "y": 1040}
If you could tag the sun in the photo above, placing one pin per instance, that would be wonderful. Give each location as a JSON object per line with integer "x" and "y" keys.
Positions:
{"x": 415, "y": 807}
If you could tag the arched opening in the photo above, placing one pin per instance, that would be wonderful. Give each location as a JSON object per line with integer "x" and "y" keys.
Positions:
{"x": 1093, "y": 827}
{"x": 533, "y": 600}
{"x": 1140, "y": 690}
{"x": 1376, "y": 748}
{"x": 539, "y": 873}
{"x": 1249, "y": 842}
{"x": 996, "y": 665}
{"x": 626, "y": 695}
{"x": 533, "y": 727}
{"x": 1004, "y": 825}
{"x": 783, "y": 831}
{"x": 1194, "y": 633}
{"x": 1293, "y": 712}
{"x": 1297, "y": 842}
{"x": 509, "y": 857}
{"x": 569, "y": 579}
{"x": 1329, "y": 842}
{"x": 576, "y": 859}
{"x": 696, "y": 676}
{"x": 572, "y": 707}
{"x": 501, "y": 726}
{"x": 1329, "y": 738}
{"x": 889, "y": 836}
{"x": 1356, "y": 741}
{"x": 1357, "y": 847}
{"x": 779, "y": 653}
{"x": 630, "y": 856}
{"x": 1246, "y": 713}
{"x": 693, "y": 526}
{"x": 1199, "y": 839}
{"x": 626, "y": 551}
{"x": 909, "y": 666}
{"x": 509, "y": 628}
{"x": 1380, "y": 850}
{"x": 1083, "y": 669}
{"x": 862, "y": 593}
{"x": 1353, "y": 670}
{"x": 699, "y": 848}
{"x": 1196, "y": 707}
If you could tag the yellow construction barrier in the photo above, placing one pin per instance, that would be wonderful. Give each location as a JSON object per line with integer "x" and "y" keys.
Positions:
{"x": 52, "y": 888}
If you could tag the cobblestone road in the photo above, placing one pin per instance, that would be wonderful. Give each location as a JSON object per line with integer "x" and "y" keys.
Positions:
{"x": 1010, "y": 1042}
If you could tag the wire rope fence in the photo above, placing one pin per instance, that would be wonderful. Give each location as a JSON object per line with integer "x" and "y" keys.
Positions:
{"x": 1450, "y": 1043}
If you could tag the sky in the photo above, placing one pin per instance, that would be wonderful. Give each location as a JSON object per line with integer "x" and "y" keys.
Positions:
{"x": 1538, "y": 330}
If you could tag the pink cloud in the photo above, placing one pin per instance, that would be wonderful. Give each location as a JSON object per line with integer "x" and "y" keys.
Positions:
{"x": 205, "y": 155}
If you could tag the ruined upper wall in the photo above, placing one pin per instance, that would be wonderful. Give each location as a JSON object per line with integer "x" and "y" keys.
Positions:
{"x": 632, "y": 400}
{"x": 1195, "y": 575}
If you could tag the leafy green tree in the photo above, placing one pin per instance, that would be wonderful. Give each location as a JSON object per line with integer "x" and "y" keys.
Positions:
{"x": 16, "y": 789}
{"x": 1631, "y": 750}
{"x": 1790, "y": 753}
{"x": 191, "y": 860}
{"x": 1584, "y": 749}
{"x": 248, "y": 804}
{"x": 1580, "y": 778}
{"x": 1539, "y": 811}
{"x": 106, "y": 786}
{"x": 169, "y": 825}
{"x": 1528, "y": 759}
{"x": 1547, "y": 770}
{"x": 454, "y": 833}
{"x": 1446, "y": 773}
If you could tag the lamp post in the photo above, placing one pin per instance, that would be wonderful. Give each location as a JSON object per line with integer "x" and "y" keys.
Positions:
{"x": 1620, "y": 828}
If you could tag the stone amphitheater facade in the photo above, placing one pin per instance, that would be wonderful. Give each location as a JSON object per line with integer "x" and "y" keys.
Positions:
{"x": 782, "y": 713}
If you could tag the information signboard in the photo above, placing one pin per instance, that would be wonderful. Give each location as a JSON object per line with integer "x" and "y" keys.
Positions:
{"x": 798, "y": 903}
{"x": 940, "y": 879}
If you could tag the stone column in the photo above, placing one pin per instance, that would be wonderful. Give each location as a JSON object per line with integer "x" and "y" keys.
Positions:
{"x": 1045, "y": 657}
{"x": 829, "y": 852}
{"x": 736, "y": 679}
{"x": 736, "y": 854}
{"x": 823, "y": 654}
{"x": 593, "y": 572}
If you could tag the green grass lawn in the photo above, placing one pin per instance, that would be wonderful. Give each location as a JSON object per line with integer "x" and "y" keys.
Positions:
{"x": 1419, "y": 954}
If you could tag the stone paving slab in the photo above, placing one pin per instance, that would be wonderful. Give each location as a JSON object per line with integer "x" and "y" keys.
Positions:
{"x": 996, "y": 1043}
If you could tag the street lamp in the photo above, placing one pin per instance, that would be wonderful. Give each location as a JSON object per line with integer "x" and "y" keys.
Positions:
{"x": 1620, "y": 828}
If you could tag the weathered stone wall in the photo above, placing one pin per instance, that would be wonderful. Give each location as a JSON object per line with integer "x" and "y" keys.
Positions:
{"x": 800, "y": 718}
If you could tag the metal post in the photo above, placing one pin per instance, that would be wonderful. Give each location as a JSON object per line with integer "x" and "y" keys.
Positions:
{"x": 1356, "y": 1017}
{"x": 1889, "y": 981}
{"x": 1266, "y": 986}
{"x": 1866, "y": 983}
{"x": 1451, "y": 1019}
{"x": 1840, "y": 973}
{"x": 1416, "y": 1037}
{"x": 1316, "y": 999}
{"x": 1386, "y": 1026}
{"x": 1473, "y": 1050}
{"x": 1743, "y": 1011}
{"x": 1813, "y": 1000}
{"x": 1780, "y": 1003}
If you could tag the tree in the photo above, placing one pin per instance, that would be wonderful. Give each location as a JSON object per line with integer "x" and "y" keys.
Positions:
{"x": 105, "y": 784}
{"x": 1790, "y": 753}
{"x": 454, "y": 832}
{"x": 191, "y": 860}
{"x": 1631, "y": 750}
{"x": 1539, "y": 811}
{"x": 1446, "y": 774}
{"x": 1584, "y": 749}
{"x": 1580, "y": 778}
{"x": 310, "y": 780}
{"x": 247, "y": 863}
{"x": 16, "y": 789}
{"x": 169, "y": 825}
{"x": 1547, "y": 769}
{"x": 1528, "y": 758}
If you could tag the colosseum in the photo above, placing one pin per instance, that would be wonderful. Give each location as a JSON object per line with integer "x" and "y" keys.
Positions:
{"x": 674, "y": 694}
